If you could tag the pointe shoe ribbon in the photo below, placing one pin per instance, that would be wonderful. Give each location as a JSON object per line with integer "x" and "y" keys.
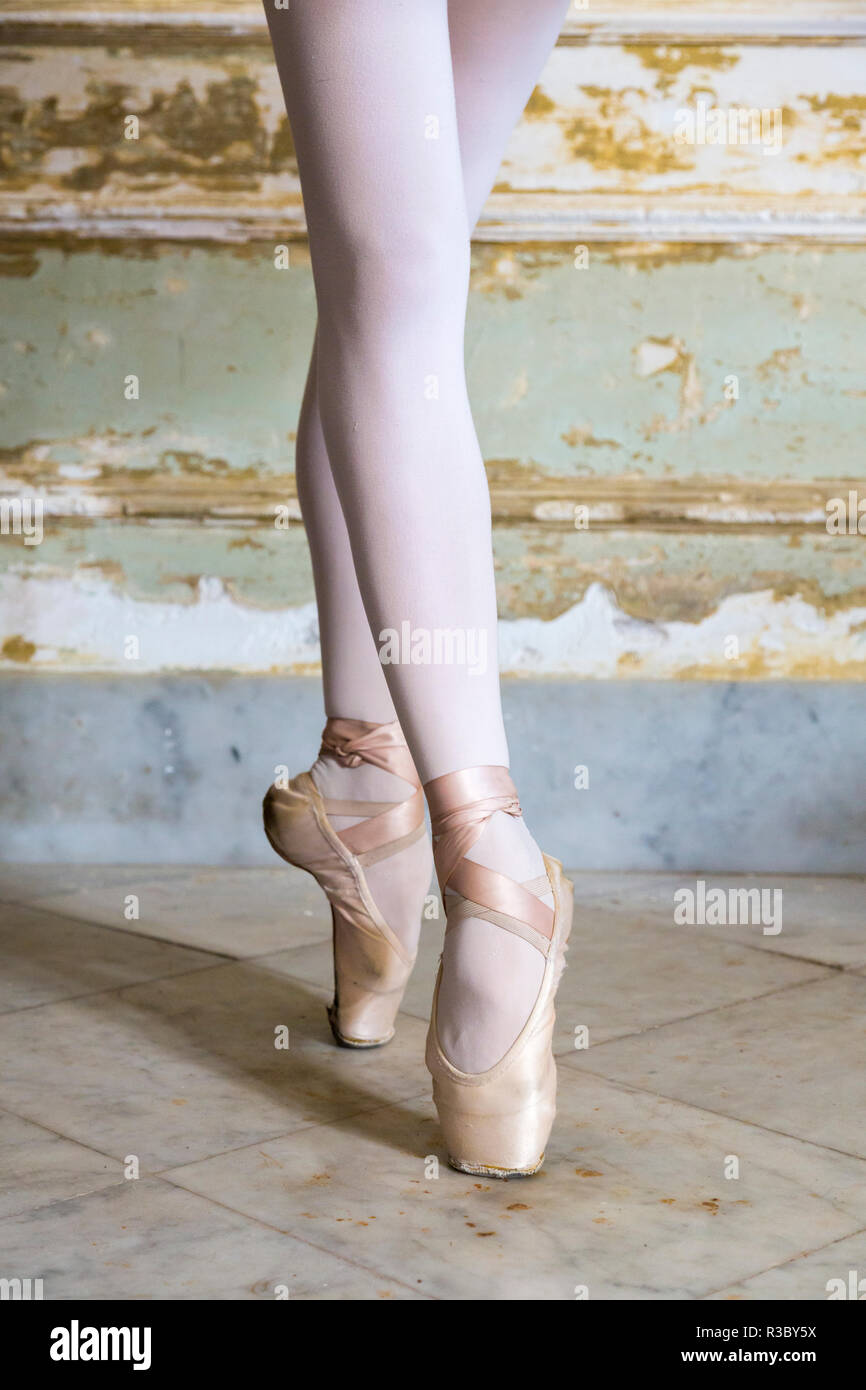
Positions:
{"x": 353, "y": 741}
{"x": 389, "y": 825}
{"x": 461, "y": 804}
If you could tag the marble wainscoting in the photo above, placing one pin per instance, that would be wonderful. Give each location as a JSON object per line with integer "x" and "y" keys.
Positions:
{"x": 749, "y": 776}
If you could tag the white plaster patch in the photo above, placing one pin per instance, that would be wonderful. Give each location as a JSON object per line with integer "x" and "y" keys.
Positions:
{"x": 593, "y": 636}
{"x": 652, "y": 357}
{"x": 83, "y": 623}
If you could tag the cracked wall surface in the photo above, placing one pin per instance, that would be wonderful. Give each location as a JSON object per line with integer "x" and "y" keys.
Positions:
{"x": 665, "y": 347}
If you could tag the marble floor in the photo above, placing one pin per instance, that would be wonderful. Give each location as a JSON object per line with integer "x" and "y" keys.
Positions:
{"x": 156, "y": 1141}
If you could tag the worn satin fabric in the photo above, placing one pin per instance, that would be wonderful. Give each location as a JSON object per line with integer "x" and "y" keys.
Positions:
{"x": 371, "y": 966}
{"x": 353, "y": 741}
{"x": 461, "y": 803}
{"x": 499, "y": 1121}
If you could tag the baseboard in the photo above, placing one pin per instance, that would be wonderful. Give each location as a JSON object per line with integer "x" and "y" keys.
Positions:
{"x": 681, "y": 775}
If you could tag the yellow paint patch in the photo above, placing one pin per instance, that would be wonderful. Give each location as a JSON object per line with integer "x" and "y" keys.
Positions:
{"x": 667, "y": 61}
{"x": 17, "y": 648}
{"x": 539, "y": 104}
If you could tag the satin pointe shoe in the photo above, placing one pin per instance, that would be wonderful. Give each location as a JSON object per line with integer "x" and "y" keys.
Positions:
{"x": 371, "y": 965}
{"x": 496, "y": 1123}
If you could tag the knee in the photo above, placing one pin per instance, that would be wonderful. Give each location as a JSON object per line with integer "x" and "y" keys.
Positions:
{"x": 404, "y": 274}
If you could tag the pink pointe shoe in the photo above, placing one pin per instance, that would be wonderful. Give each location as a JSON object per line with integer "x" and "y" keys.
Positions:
{"x": 496, "y": 1123}
{"x": 371, "y": 965}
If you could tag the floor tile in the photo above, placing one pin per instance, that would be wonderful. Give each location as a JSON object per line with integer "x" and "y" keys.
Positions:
{"x": 838, "y": 1269}
{"x": 186, "y": 1067}
{"x": 316, "y": 1167}
{"x": 632, "y": 1201}
{"x": 148, "y": 1239}
{"x": 236, "y": 912}
{"x": 46, "y": 958}
{"x": 625, "y": 975}
{"x": 38, "y": 1167}
{"x": 23, "y": 882}
{"x": 19, "y": 882}
{"x": 794, "y": 1061}
{"x": 822, "y": 919}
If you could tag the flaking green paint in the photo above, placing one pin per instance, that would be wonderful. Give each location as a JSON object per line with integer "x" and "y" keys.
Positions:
{"x": 219, "y": 340}
{"x": 541, "y": 571}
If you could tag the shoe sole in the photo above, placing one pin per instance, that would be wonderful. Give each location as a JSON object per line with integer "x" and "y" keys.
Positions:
{"x": 484, "y": 1170}
{"x": 358, "y": 1044}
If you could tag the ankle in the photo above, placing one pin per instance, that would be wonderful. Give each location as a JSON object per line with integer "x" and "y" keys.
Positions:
{"x": 362, "y": 783}
{"x": 362, "y": 761}
{"x": 506, "y": 845}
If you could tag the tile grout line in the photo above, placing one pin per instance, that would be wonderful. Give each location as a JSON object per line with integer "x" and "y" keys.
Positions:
{"x": 206, "y": 1158}
{"x": 219, "y": 964}
{"x": 64, "y": 1139}
{"x": 705, "y": 1013}
{"x": 627, "y": 1087}
{"x": 13, "y": 902}
{"x": 168, "y": 940}
{"x": 288, "y": 1133}
{"x": 715, "y": 935}
{"x": 746, "y": 945}
{"x": 259, "y": 955}
{"x": 27, "y": 1212}
{"x": 167, "y": 1183}
{"x": 325, "y": 939}
{"x": 223, "y": 961}
{"x": 782, "y": 1264}
{"x": 323, "y": 1249}
{"x": 122, "y": 931}
{"x": 165, "y": 1176}
{"x": 117, "y": 989}
{"x": 58, "y": 1134}
{"x": 632, "y": 1088}
{"x": 31, "y": 905}
{"x": 665, "y": 1023}
{"x": 790, "y": 955}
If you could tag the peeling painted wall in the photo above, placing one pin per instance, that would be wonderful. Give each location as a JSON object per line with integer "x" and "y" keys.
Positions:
{"x": 76, "y": 612}
{"x": 617, "y": 370}
{"x": 665, "y": 346}
{"x": 214, "y": 155}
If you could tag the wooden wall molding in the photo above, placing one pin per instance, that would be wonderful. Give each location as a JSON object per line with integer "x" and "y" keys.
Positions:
{"x": 518, "y": 496}
{"x": 161, "y": 24}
